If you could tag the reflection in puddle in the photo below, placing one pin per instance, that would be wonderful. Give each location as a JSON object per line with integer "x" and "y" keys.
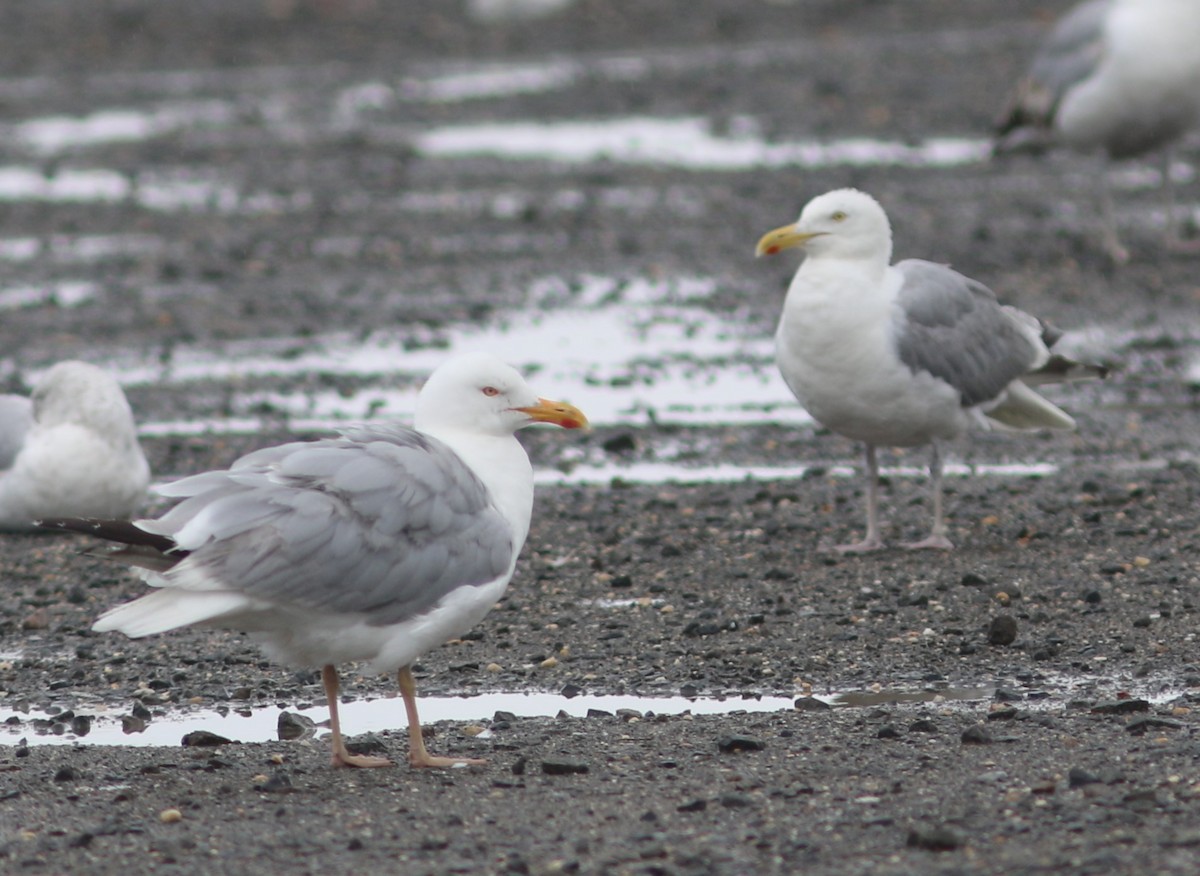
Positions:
{"x": 684, "y": 142}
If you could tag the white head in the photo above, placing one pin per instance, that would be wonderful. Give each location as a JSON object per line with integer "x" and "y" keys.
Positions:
{"x": 477, "y": 392}
{"x": 76, "y": 392}
{"x": 843, "y": 224}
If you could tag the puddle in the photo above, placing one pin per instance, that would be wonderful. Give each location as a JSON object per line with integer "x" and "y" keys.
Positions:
{"x": 387, "y": 714}
{"x": 366, "y": 716}
{"x": 687, "y": 143}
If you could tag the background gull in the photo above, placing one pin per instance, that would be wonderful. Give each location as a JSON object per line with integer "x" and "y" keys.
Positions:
{"x": 1122, "y": 76}
{"x": 903, "y": 355}
{"x": 376, "y": 546}
{"x": 69, "y": 449}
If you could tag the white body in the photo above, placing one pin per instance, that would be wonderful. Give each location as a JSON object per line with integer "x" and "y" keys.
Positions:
{"x": 836, "y": 352}
{"x": 1149, "y": 75}
{"x": 80, "y": 456}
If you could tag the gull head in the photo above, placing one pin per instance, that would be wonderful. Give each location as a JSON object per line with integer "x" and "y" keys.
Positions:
{"x": 844, "y": 223}
{"x": 477, "y": 392}
{"x": 84, "y": 395}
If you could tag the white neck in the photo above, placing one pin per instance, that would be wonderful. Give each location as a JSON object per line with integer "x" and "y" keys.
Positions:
{"x": 503, "y": 465}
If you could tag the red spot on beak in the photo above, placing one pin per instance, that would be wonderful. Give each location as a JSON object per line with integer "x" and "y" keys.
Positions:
{"x": 771, "y": 250}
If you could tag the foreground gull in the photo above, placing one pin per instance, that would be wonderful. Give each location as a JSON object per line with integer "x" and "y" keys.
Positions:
{"x": 903, "y": 355}
{"x": 1121, "y": 76}
{"x": 69, "y": 449}
{"x": 375, "y": 546}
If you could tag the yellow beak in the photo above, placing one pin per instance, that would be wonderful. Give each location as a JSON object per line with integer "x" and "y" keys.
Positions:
{"x": 556, "y": 412}
{"x": 783, "y": 238}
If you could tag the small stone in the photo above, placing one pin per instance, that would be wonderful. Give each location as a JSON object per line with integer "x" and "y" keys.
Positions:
{"x": 1002, "y": 630}
{"x": 971, "y": 579}
{"x": 472, "y": 730}
{"x": 1138, "y": 726}
{"x": 697, "y": 805}
{"x": 293, "y": 726}
{"x": 733, "y": 800}
{"x": 277, "y": 783}
{"x": 204, "y": 739}
{"x": 976, "y": 734}
{"x": 503, "y": 717}
{"x": 934, "y": 839}
{"x": 1121, "y": 707}
{"x": 731, "y": 744}
{"x": 888, "y": 731}
{"x": 564, "y": 767}
{"x": 1077, "y": 778}
{"x": 923, "y": 725}
{"x": 1004, "y": 713}
{"x": 549, "y": 663}
{"x": 812, "y": 704}
{"x": 493, "y": 667}
{"x": 170, "y": 816}
{"x": 571, "y": 690}
{"x": 66, "y": 774}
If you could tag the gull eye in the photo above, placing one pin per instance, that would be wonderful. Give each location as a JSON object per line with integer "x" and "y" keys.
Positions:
{"x": 490, "y": 391}
{"x": 838, "y": 216}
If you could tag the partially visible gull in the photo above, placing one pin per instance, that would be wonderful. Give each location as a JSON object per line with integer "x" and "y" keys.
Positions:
{"x": 376, "y": 546}
{"x": 1122, "y": 76}
{"x": 906, "y": 354}
{"x": 71, "y": 449}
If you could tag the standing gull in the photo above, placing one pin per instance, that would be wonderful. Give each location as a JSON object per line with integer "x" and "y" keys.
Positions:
{"x": 69, "y": 449}
{"x": 1121, "y": 76}
{"x": 376, "y": 546}
{"x": 906, "y": 354}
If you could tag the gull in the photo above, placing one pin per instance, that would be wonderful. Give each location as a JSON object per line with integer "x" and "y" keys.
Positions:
{"x": 903, "y": 355}
{"x": 1122, "y": 76}
{"x": 70, "y": 449}
{"x": 374, "y": 546}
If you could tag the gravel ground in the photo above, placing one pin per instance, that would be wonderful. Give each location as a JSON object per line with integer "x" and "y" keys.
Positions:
{"x": 1048, "y": 660}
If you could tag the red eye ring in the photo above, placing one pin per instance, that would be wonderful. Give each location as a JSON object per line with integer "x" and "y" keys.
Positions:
{"x": 490, "y": 391}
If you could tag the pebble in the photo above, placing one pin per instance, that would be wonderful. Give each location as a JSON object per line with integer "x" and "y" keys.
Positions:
{"x": 170, "y": 816}
{"x": 812, "y": 704}
{"x": 731, "y": 744}
{"x": 564, "y": 767}
{"x": 293, "y": 726}
{"x": 977, "y": 734}
{"x": 934, "y": 839}
{"x": 1002, "y": 630}
{"x": 204, "y": 739}
{"x": 1121, "y": 707}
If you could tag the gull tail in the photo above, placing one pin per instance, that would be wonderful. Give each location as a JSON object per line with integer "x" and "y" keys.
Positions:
{"x": 169, "y": 609}
{"x": 1022, "y": 408}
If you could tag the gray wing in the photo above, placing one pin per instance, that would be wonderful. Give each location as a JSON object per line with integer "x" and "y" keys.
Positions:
{"x": 954, "y": 328}
{"x": 383, "y": 520}
{"x": 16, "y": 417}
{"x": 1069, "y": 55}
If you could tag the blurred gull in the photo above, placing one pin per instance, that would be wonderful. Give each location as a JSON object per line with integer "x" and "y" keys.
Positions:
{"x": 907, "y": 354}
{"x": 376, "y": 546}
{"x": 1118, "y": 75}
{"x": 69, "y": 449}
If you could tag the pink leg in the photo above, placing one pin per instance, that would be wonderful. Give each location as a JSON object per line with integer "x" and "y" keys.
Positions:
{"x": 872, "y": 541}
{"x": 937, "y": 536}
{"x": 342, "y": 756}
{"x": 417, "y": 755}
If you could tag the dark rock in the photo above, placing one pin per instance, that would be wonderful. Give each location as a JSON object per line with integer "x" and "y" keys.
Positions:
{"x": 1077, "y": 778}
{"x": 621, "y": 581}
{"x": 1121, "y": 707}
{"x": 734, "y": 800}
{"x": 1138, "y": 726}
{"x": 277, "y": 783}
{"x": 1005, "y": 714}
{"x": 293, "y": 726}
{"x": 934, "y": 839}
{"x": 564, "y": 767}
{"x": 812, "y": 704}
{"x": 888, "y": 731}
{"x": 66, "y": 774}
{"x": 571, "y": 690}
{"x": 923, "y": 725}
{"x": 976, "y": 734}
{"x": 731, "y": 744}
{"x": 623, "y": 442}
{"x": 204, "y": 739}
{"x": 1002, "y": 630}
{"x": 971, "y": 579}
{"x": 518, "y": 767}
{"x": 697, "y": 805}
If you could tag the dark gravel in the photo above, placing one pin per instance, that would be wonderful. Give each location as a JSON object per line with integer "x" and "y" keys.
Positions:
{"x": 1071, "y": 600}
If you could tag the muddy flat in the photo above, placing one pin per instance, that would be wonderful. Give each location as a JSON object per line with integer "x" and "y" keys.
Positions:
{"x": 269, "y": 219}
